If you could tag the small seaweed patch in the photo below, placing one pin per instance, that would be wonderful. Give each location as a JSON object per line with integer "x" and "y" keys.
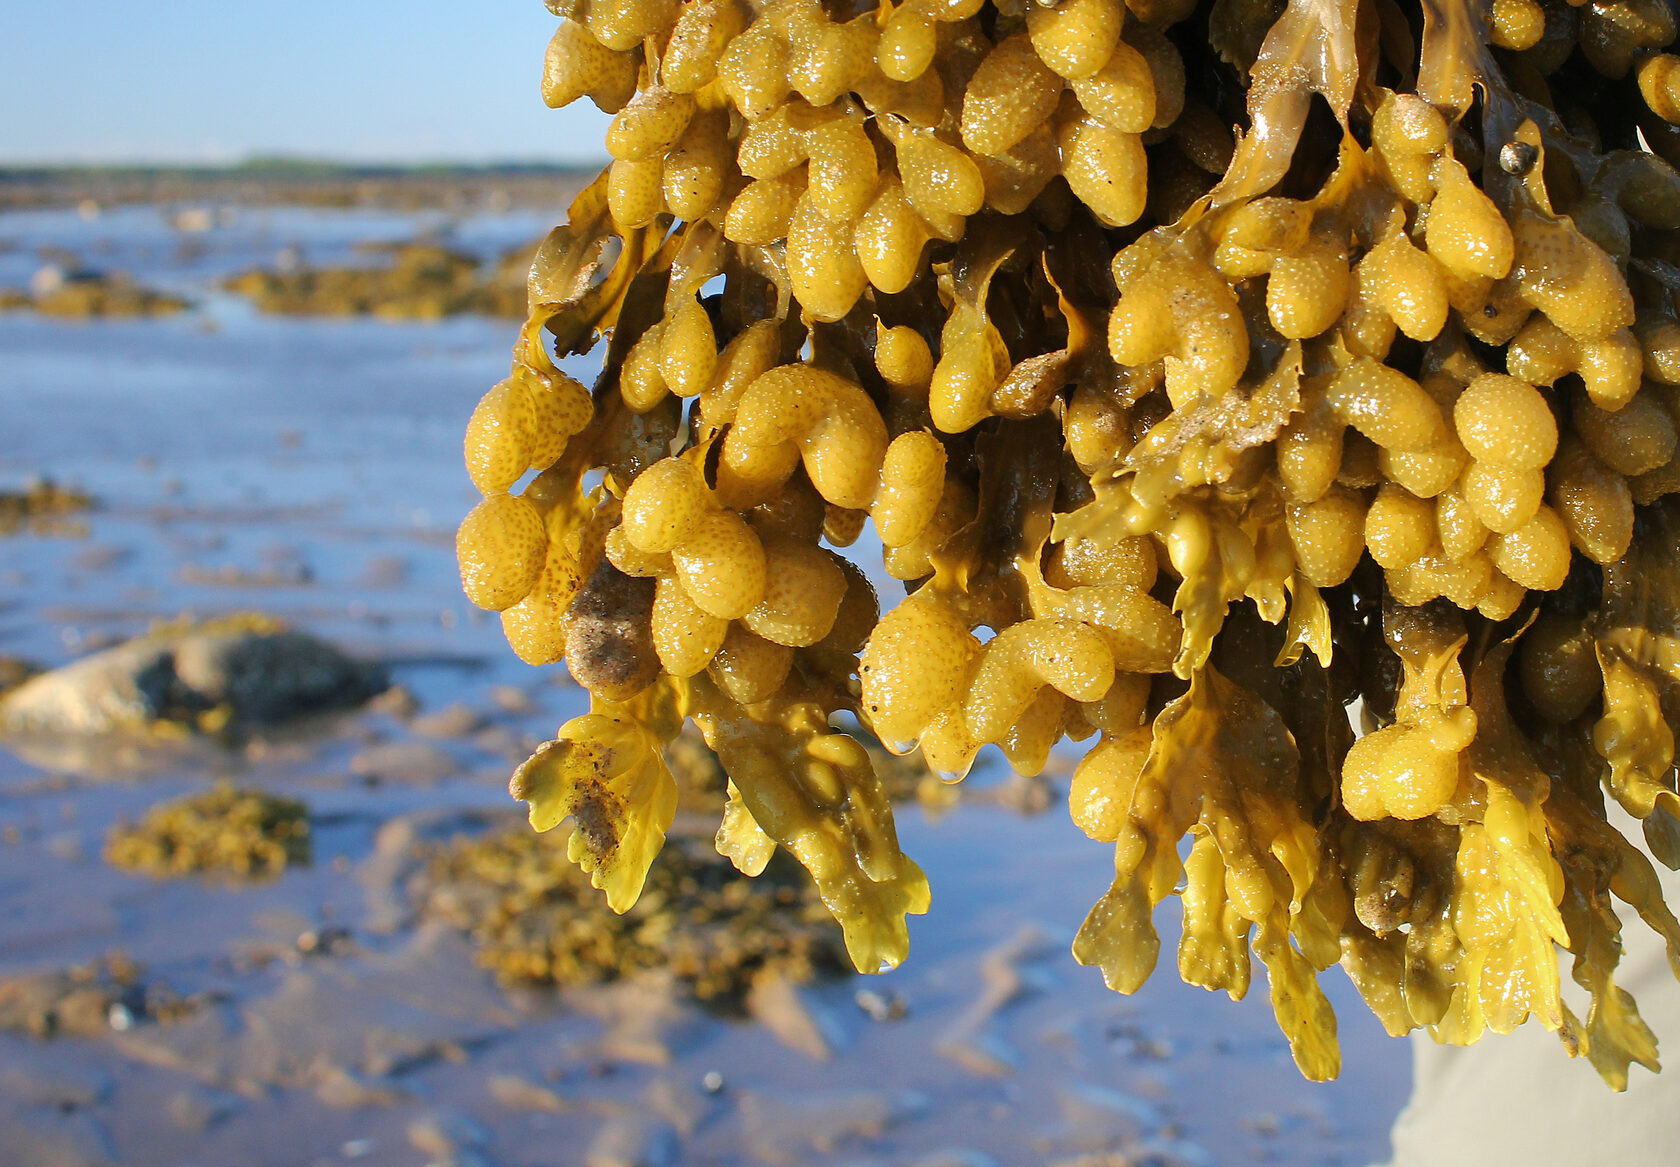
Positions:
{"x": 42, "y": 506}
{"x": 423, "y": 282}
{"x": 82, "y": 295}
{"x": 242, "y": 834}
{"x": 536, "y": 920}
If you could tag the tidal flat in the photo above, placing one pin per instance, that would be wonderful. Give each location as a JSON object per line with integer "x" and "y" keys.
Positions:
{"x": 310, "y": 469}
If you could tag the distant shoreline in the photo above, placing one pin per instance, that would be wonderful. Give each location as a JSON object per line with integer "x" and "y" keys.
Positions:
{"x": 297, "y": 182}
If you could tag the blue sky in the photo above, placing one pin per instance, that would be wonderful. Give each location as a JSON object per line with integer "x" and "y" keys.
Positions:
{"x": 218, "y": 80}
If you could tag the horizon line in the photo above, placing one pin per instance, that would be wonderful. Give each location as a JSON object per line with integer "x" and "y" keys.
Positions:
{"x": 280, "y": 160}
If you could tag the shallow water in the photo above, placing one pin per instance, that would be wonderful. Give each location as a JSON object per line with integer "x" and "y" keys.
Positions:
{"x": 312, "y": 469}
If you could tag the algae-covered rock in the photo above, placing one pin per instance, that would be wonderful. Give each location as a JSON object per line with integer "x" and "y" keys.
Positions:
{"x": 423, "y": 282}
{"x": 225, "y": 831}
{"x": 536, "y": 919}
{"x": 40, "y": 506}
{"x": 228, "y": 674}
{"x": 75, "y": 293}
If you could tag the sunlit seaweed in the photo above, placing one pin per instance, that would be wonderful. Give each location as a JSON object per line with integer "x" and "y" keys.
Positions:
{"x": 1216, "y": 434}
{"x": 239, "y": 833}
{"x": 422, "y": 282}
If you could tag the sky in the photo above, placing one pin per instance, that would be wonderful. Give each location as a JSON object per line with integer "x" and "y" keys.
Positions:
{"x": 213, "y": 81}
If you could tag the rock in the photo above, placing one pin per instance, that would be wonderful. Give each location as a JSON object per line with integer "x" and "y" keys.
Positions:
{"x": 255, "y": 670}
{"x": 629, "y": 1139}
{"x": 452, "y": 721}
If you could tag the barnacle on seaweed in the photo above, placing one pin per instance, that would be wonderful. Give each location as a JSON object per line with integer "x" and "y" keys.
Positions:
{"x": 1371, "y": 403}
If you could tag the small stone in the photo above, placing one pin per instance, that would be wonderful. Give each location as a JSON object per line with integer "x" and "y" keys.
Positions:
{"x": 712, "y": 1082}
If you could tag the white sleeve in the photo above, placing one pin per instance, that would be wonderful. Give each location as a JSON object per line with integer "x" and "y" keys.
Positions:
{"x": 1519, "y": 1099}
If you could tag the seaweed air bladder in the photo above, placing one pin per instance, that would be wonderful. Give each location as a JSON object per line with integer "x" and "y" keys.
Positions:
{"x": 1206, "y": 370}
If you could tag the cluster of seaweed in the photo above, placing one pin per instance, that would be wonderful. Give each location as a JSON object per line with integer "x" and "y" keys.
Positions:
{"x": 422, "y": 282}
{"x": 41, "y": 506}
{"x": 1211, "y": 434}
{"x": 242, "y": 834}
{"x": 530, "y": 912}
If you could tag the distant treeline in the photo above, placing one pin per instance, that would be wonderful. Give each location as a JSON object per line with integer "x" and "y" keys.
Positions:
{"x": 294, "y": 180}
